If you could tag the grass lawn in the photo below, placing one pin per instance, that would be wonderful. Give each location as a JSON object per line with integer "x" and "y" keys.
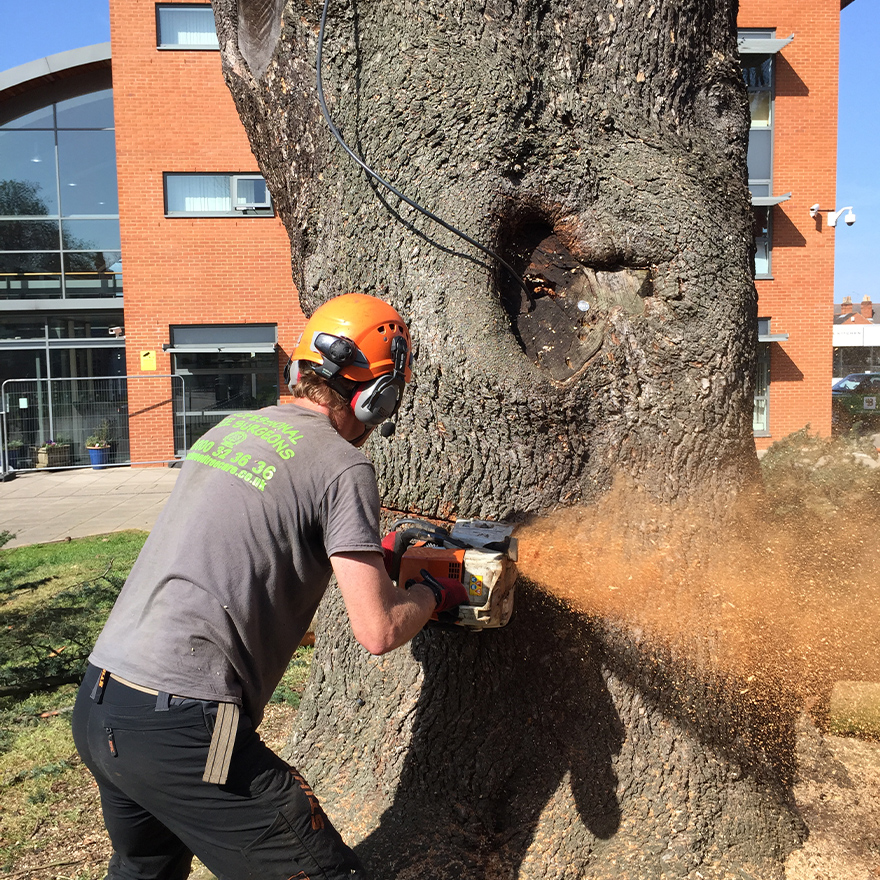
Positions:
{"x": 54, "y": 599}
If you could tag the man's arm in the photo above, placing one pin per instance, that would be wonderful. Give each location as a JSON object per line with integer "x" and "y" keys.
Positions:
{"x": 383, "y": 617}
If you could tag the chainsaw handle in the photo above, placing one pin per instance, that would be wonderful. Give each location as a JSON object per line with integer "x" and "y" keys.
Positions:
{"x": 398, "y": 546}
{"x": 418, "y": 530}
{"x": 402, "y": 541}
{"x": 430, "y": 533}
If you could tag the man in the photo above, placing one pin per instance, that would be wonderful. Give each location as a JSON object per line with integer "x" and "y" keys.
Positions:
{"x": 267, "y": 504}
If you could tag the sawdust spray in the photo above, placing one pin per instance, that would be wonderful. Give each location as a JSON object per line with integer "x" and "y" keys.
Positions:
{"x": 784, "y": 604}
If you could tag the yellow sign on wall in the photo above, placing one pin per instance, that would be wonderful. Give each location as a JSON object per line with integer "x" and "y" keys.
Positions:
{"x": 148, "y": 360}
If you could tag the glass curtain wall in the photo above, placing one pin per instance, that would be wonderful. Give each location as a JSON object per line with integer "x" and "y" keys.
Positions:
{"x": 59, "y": 213}
{"x": 60, "y": 346}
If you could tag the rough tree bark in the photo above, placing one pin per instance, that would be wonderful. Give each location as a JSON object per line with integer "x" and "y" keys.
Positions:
{"x": 599, "y": 147}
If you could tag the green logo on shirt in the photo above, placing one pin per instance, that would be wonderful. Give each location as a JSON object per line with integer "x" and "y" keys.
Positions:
{"x": 234, "y": 438}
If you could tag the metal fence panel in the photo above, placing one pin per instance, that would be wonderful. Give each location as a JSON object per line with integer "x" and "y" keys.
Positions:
{"x": 46, "y": 421}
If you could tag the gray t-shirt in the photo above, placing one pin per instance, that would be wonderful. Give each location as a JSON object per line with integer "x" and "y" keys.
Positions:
{"x": 233, "y": 571}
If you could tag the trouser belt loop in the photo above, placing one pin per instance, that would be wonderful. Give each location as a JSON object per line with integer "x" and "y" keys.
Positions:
{"x": 98, "y": 690}
{"x": 222, "y": 744}
{"x": 163, "y": 701}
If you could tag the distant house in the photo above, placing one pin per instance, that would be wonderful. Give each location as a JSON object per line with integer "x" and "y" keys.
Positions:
{"x": 856, "y": 337}
{"x": 844, "y": 313}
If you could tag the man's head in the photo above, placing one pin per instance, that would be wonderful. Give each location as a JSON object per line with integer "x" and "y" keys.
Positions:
{"x": 354, "y": 355}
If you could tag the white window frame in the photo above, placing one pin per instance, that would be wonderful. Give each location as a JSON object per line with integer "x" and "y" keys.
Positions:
{"x": 238, "y": 204}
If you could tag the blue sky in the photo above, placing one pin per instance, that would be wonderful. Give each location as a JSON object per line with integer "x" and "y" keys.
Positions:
{"x": 858, "y": 137}
{"x": 35, "y": 28}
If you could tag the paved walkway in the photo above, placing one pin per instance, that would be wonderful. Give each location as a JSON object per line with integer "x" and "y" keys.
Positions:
{"x": 39, "y": 506}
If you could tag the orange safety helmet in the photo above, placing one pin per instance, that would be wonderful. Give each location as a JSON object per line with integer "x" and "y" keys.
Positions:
{"x": 368, "y": 322}
{"x": 361, "y": 339}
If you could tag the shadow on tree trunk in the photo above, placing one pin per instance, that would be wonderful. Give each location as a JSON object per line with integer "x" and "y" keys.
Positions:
{"x": 557, "y": 747}
{"x": 517, "y": 721}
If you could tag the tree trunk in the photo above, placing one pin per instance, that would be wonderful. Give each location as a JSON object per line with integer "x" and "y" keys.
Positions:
{"x": 553, "y": 749}
{"x": 597, "y": 146}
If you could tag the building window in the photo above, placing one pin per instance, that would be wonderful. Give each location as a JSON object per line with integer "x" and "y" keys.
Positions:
{"x": 225, "y": 368}
{"x": 59, "y": 213}
{"x": 761, "y": 228}
{"x": 758, "y": 49}
{"x": 180, "y": 26}
{"x": 217, "y": 195}
{"x": 761, "y": 412}
{"x": 758, "y": 72}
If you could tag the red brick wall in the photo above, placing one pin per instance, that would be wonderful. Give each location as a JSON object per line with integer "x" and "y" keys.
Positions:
{"x": 174, "y": 113}
{"x": 800, "y": 297}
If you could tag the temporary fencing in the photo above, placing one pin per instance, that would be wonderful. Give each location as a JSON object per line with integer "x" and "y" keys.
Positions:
{"x": 47, "y": 422}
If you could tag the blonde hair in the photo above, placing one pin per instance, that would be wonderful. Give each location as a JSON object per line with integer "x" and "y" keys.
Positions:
{"x": 316, "y": 389}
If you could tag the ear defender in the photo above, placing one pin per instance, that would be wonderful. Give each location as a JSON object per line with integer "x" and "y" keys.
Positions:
{"x": 377, "y": 401}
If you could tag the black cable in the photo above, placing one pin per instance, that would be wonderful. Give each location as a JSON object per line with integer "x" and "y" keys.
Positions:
{"x": 385, "y": 183}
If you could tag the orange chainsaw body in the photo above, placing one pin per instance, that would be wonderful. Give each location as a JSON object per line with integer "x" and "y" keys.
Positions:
{"x": 487, "y": 572}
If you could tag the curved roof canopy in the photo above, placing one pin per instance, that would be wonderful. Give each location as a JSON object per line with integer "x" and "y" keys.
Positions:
{"x": 33, "y": 85}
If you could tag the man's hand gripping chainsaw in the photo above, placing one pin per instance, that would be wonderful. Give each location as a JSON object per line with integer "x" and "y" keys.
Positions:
{"x": 471, "y": 568}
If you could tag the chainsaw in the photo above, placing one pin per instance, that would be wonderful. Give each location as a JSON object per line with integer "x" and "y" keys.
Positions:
{"x": 482, "y": 555}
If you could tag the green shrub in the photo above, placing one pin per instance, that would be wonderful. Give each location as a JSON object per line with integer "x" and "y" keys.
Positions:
{"x": 822, "y": 477}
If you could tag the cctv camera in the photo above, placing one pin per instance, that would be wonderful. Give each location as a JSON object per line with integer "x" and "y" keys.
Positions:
{"x": 849, "y": 219}
{"x": 114, "y": 331}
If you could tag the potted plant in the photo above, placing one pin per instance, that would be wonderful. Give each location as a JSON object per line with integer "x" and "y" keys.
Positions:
{"x": 13, "y": 452}
{"x": 54, "y": 453}
{"x": 98, "y": 444}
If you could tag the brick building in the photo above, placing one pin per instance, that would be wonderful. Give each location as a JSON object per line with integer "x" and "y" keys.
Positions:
{"x": 790, "y": 53}
{"x": 207, "y": 264}
{"x": 95, "y": 172}
{"x": 209, "y": 307}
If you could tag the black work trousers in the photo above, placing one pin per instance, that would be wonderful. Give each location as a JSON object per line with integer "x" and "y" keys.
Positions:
{"x": 148, "y": 760}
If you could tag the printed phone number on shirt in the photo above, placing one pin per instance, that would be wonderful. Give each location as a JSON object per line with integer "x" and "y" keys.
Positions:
{"x": 258, "y": 475}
